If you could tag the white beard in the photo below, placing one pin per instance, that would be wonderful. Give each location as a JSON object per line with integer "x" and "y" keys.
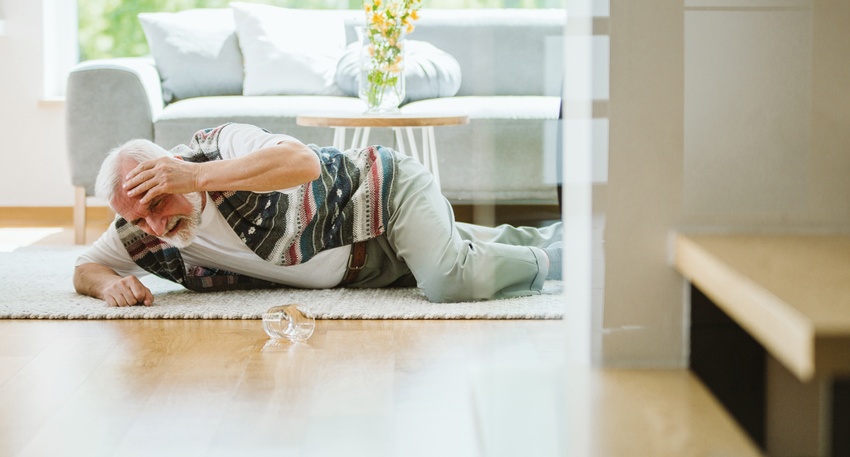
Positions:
{"x": 187, "y": 233}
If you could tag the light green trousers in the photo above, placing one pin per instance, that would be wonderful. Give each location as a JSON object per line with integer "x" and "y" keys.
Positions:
{"x": 449, "y": 260}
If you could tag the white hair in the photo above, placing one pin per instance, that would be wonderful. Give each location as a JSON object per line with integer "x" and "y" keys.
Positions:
{"x": 109, "y": 177}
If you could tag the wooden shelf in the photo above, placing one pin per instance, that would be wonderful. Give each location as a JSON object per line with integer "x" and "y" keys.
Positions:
{"x": 790, "y": 292}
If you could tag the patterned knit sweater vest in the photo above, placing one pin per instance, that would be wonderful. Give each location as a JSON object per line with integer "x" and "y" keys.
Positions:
{"x": 348, "y": 203}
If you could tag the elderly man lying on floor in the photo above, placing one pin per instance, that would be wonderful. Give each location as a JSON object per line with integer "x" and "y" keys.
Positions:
{"x": 240, "y": 207}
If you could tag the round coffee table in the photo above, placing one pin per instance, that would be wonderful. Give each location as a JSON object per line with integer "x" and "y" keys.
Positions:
{"x": 400, "y": 123}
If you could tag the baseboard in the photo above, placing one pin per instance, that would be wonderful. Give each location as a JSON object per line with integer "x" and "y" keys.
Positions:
{"x": 49, "y": 216}
{"x": 507, "y": 214}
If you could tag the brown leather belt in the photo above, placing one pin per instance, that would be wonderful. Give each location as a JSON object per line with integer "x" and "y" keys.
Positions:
{"x": 356, "y": 262}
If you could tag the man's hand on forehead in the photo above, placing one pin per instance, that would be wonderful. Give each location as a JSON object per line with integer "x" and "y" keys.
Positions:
{"x": 166, "y": 175}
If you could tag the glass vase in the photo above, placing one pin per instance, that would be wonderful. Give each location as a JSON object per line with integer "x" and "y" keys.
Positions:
{"x": 381, "y": 84}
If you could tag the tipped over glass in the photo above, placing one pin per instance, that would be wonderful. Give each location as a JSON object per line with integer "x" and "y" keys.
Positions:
{"x": 291, "y": 322}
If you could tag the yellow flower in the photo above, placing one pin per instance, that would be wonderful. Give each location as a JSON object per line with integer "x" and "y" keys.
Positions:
{"x": 386, "y": 21}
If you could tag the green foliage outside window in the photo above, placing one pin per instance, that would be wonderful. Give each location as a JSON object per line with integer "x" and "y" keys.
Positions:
{"x": 109, "y": 28}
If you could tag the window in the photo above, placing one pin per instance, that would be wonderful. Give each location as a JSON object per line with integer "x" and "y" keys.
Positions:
{"x": 60, "y": 54}
{"x": 109, "y": 28}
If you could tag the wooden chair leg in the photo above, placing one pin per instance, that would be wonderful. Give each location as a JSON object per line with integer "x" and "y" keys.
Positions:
{"x": 79, "y": 215}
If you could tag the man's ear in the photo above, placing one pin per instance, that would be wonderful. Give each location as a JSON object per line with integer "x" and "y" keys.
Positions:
{"x": 178, "y": 157}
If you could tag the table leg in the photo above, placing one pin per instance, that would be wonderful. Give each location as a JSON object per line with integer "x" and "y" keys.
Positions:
{"x": 361, "y": 138}
{"x": 429, "y": 145}
{"x": 429, "y": 150}
{"x": 426, "y": 156}
{"x": 356, "y": 140}
{"x": 339, "y": 138}
{"x": 412, "y": 141}
{"x": 399, "y": 140}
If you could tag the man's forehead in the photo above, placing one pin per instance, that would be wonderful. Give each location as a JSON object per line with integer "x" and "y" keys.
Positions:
{"x": 126, "y": 164}
{"x": 124, "y": 204}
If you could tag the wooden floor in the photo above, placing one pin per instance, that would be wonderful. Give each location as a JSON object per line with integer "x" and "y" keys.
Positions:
{"x": 461, "y": 388}
{"x": 160, "y": 387}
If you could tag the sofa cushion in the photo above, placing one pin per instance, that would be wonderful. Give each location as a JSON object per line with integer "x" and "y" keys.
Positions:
{"x": 196, "y": 52}
{"x": 428, "y": 71}
{"x": 180, "y": 120}
{"x": 289, "y": 51}
{"x": 278, "y": 106}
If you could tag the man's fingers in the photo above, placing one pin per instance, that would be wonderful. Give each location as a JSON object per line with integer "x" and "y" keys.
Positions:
{"x": 127, "y": 298}
{"x": 138, "y": 180}
{"x": 141, "y": 294}
{"x": 141, "y": 183}
{"x": 161, "y": 176}
{"x": 152, "y": 192}
{"x": 128, "y": 291}
{"x": 115, "y": 299}
{"x": 139, "y": 169}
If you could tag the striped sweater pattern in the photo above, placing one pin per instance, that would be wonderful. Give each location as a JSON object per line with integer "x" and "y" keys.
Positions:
{"x": 348, "y": 203}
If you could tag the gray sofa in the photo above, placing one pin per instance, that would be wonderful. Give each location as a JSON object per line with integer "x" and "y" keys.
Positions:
{"x": 511, "y": 64}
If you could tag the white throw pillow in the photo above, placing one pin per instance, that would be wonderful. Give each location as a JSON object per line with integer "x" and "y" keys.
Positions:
{"x": 289, "y": 51}
{"x": 196, "y": 52}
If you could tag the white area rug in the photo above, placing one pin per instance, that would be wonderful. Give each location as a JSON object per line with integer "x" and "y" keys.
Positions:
{"x": 36, "y": 283}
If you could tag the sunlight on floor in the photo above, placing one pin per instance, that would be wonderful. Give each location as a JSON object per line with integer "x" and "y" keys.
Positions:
{"x": 14, "y": 238}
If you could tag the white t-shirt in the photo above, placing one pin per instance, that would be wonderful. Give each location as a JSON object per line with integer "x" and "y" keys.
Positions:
{"x": 218, "y": 246}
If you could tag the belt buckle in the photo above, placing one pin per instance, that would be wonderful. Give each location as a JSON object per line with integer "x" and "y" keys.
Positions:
{"x": 351, "y": 262}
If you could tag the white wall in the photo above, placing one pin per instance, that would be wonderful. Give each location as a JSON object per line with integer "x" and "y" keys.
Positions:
{"x": 725, "y": 115}
{"x": 643, "y": 320}
{"x": 766, "y": 114}
{"x": 35, "y": 169}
